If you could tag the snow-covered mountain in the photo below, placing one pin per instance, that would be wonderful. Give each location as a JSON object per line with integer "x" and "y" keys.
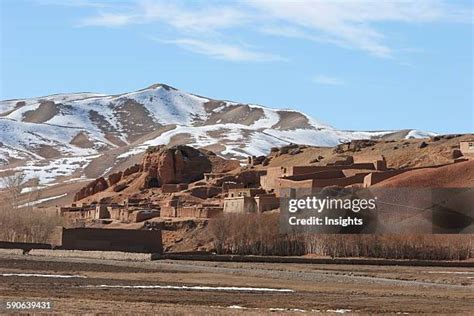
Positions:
{"x": 84, "y": 135}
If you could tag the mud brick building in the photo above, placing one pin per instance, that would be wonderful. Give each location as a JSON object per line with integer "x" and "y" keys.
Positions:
{"x": 467, "y": 148}
{"x": 172, "y": 209}
{"x": 340, "y": 173}
{"x": 75, "y": 213}
{"x": 249, "y": 200}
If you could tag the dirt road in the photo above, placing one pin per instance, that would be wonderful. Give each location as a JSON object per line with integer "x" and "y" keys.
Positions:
{"x": 180, "y": 287}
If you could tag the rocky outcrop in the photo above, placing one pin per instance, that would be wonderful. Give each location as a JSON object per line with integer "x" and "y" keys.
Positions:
{"x": 162, "y": 165}
{"x": 456, "y": 153}
{"x": 423, "y": 145}
{"x": 354, "y": 145}
{"x": 176, "y": 164}
{"x": 131, "y": 170}
{"x": 114, "y": 178}
{"x": 92, "y": 188}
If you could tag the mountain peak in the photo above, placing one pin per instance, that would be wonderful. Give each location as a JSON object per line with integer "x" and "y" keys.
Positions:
{"x": 159, "y": 85}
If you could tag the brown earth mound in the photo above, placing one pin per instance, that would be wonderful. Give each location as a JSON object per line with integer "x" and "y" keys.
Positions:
{"x": 82, "y": 140}
{"x": 46, "y": 111}
{"x": 291, "y": 120}
{"x": 239, "y": 113}
{"x": 47, "y": 152}
{"x": 136, "y": 119}
{"x": 458, "y": 175}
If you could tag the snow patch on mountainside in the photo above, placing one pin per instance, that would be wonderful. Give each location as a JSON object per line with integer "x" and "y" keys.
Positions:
{"x": 26, "y": 137}
{"x": 81, "y": 127}
{"x": 169, "y": 108}
{"x": 62, "y": 167}
{"x": 419, "y": 134}
{"x": 9, "y": 105}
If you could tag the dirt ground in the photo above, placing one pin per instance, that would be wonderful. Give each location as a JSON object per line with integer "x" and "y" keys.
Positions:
{"x": 212, "y": 288}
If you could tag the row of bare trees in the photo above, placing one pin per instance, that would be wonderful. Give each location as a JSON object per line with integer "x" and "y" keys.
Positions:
{"x": 19, "y": 220}
{"x": 253, "y": 234}
{"x": 258, "y": 234}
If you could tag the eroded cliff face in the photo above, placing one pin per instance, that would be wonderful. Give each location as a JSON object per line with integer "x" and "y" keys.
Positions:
{"x": 177, "y": 164}
{"x": 161, "y": 165}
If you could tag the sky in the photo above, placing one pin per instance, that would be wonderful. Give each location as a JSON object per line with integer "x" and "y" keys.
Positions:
{"x": 353, "y": 64}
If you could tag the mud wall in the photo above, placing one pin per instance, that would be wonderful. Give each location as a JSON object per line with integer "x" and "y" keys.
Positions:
{"x": 127, "y": 240}
{"x": 376, "y": 177}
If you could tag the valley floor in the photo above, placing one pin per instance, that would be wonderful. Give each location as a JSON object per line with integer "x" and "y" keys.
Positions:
{"x": 216, "y": 288}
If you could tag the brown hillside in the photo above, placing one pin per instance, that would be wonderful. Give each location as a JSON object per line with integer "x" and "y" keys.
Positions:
{"x": 459, "y": 175}
{"x": 404, "y": 153}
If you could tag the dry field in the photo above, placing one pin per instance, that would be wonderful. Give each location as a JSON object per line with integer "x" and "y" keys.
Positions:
{"x": 212, "y": 288}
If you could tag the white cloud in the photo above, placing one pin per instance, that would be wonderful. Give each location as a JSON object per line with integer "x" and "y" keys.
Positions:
{"x": 199, "y": 19}
{"x": 328, "y": 80}
{"x": 196, "y": 19}
{"x": 223, "y": 51}
{"x": 354, "y": 24}
{"x": 108, "y": 20}
{"x": 74, "y": 3}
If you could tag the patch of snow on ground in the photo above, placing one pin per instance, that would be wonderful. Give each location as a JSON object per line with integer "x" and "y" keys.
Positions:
{"x": 452, "y": 272}
{"x": 193, "y": 288}
{"x": 43, "y": 200}
{"x": 38, "y": 275}
{"x": 29, "y": 189}
{"x": 338, "y": 311}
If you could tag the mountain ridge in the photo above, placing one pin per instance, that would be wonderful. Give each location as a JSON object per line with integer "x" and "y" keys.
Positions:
{"x": 64, "y": 136}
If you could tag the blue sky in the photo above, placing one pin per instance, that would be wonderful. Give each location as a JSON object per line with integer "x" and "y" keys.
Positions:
{"x": 358, "y": 65}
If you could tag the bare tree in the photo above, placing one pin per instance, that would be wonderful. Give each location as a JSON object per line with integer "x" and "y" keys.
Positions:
{"x": 13, "y": 185}
{"x": 19, "y": 220}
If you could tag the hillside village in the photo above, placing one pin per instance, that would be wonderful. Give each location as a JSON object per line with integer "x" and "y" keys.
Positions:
{"x": 177, "y": 184}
